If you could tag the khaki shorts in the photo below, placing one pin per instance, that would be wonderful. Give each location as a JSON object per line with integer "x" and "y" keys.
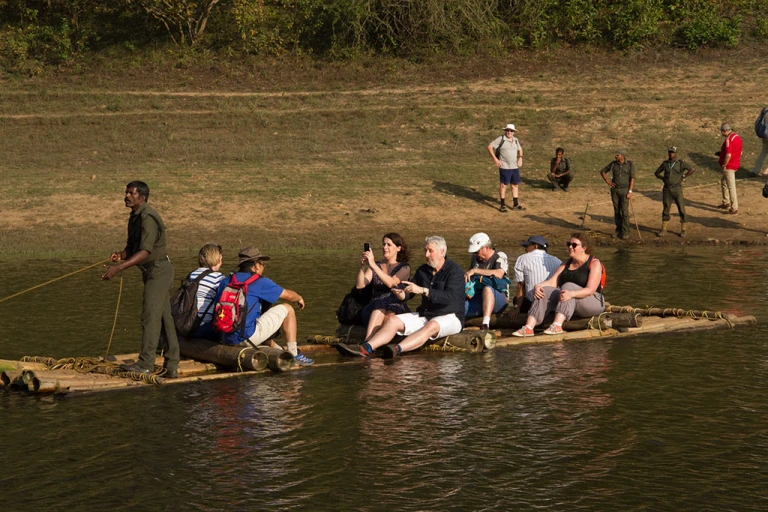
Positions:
{"x": 269, "y": 323}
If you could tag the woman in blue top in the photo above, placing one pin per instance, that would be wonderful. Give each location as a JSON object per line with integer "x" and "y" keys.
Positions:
{"x": 383, "y": 276}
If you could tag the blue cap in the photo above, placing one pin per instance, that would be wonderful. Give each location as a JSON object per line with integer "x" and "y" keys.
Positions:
{"x": 536, "y": 239}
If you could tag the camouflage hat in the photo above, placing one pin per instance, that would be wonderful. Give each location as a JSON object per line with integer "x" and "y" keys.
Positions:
{"x": 672, "y": 149}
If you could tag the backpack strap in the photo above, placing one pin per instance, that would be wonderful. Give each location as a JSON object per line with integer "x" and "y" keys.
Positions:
{"x": 202, "y": 275}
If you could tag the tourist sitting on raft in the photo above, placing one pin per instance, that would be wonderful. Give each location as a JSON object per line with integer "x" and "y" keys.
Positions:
{"x": 382, "y": 276}
{"x": 573, "y": 289}
{"x": 260, "y": 325}
{"x": 487, "y": 285}
{"x": 210, "y": 258}
{"x": 440, "y": 282}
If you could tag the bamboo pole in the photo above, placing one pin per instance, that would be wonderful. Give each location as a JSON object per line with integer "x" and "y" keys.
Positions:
{"x": 279, "y": 360}
{"x": 247, "y": 358}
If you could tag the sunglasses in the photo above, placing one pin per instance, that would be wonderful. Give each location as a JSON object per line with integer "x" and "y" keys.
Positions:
{"x": 572, "y": 245}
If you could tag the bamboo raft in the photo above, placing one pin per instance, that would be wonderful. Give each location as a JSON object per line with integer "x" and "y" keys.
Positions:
{"x": 207, "y": 360}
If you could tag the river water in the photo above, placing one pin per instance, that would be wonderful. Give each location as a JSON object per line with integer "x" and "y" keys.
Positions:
{"x": 656, "y": 422}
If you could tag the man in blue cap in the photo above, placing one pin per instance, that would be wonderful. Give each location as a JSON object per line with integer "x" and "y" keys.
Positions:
{"x": 531, "y": 268}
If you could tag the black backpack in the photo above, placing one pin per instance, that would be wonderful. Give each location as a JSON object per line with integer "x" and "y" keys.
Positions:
{"x": 184, "y": 305}
{"x": 761, "y": 124}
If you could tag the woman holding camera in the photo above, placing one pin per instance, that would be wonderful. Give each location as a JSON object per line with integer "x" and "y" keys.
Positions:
{"x": 382, "y": 276}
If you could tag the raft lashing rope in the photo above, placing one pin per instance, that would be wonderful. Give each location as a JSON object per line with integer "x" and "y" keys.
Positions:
{"x": 96, "y": 365}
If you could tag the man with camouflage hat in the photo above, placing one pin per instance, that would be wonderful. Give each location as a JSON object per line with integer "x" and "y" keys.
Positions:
{"x": 673, "y": 173}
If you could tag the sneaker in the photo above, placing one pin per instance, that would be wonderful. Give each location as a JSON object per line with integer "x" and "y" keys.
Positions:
{"x": 302, "y": 360}
{"x": 518, "y": 207}
{"x": 732, "y": 212}
{"x": 350, "y": 350}
{"x": 389, "y": 352}
{"x": 523, "y": 332}
{"x": 503, "y": 208}
{"x": 554, "y": 329}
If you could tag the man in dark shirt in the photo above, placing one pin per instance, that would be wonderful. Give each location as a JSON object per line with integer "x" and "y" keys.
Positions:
{"x": 621, "y": 183}
{"x": 146, "y": 249}
{"x": 560, "y": 172}
{"x": 673, "y": 172}
{"x": 440, "y": 282}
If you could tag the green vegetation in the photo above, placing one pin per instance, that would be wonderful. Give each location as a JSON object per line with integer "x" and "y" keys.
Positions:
{"x": 39, "y": 33}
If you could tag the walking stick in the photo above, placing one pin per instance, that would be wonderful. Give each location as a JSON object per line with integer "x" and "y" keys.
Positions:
{"x": 632, "y": 206}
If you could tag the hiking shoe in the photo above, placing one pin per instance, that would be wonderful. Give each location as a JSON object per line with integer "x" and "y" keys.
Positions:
{"x": 503, "y": 208}
{"x": 134, "y": 368}
{"x": 724, "y": 206}
{"x": 624, "y": 237}
{"x": 171, "y": 374}
{"x": 732, "y": 212}
{"x": 389, "y": 352}
{"x": 523, "y": 332}
{"x": 350, "y": 350}
{"x": 302, "y": 360}
{"x": 554, "y": 329}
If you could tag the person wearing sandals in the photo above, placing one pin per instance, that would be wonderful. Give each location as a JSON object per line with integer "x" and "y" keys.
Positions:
{"x": 507, "y": 154}
{"x": 383, "y": 276}
{"x": 573, "y": 289}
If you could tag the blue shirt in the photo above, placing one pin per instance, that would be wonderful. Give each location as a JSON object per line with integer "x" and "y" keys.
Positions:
{"x": 263, "y": 290}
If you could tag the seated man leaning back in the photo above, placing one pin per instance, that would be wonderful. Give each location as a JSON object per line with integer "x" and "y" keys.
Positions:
{"x": 487, "y": 282}
{"x": 440, "y": 282}
{"x": 261, "y": 325}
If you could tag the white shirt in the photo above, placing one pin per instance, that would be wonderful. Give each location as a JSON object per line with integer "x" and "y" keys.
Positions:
{"x": 206, "y": 292}
{"x": 533, "y": 268}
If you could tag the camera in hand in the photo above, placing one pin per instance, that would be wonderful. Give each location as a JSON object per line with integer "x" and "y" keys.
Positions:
{"x": 366, "y": 247}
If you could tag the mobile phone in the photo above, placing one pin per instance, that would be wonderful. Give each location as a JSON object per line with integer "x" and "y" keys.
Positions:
{"x": 366, "y": 247}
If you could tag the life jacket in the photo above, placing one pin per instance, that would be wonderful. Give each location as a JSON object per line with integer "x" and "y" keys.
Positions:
{"x": 232, "y": 307}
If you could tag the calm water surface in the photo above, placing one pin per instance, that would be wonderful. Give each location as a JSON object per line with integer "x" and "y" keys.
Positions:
{"x": 662, "y": 422}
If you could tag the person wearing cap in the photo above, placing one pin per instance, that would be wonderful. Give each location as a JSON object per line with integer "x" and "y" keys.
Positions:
{"x": 560, "y": 172}
{"x": 440, "y": 282}
{"x": 487, "y": 284}
{"x": 730, "y": 161}
{"x": 673, "y": 173}
{"x": 507, "y": 154}
{"x": 146, "y": 248}
{"x": 531, "y": 268}
{"x": 260, "y": 325}
{"x": 622, "y": 180}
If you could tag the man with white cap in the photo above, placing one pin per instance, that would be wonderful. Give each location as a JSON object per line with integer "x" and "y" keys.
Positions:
{"x": 531, "y": 268}
{"x": 487, "y": 284}
{"x": 507, "y": 154}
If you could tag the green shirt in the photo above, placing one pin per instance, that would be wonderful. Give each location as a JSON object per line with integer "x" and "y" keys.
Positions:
{"x": 563, "y": 167}
{"x": 672, "y": 172}
{"x": 621, "y": 174}
{"x": 146, "y": 231}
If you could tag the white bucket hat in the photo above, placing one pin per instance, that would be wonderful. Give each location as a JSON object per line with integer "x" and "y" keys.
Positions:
{"x": 510, "y": 127}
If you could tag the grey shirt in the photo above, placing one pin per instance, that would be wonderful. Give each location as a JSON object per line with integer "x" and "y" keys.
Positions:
{"x": 509, "y": 151}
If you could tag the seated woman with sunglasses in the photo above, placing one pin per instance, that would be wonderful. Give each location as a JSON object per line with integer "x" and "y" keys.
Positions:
{"x": 573, "y": 289}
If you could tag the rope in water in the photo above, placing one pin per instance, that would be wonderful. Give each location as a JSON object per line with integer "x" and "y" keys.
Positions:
{"x": 54, "y": 280}
{"x": 114, "y": 322}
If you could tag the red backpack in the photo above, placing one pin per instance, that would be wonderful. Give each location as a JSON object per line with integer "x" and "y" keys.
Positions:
{"x": 232, "y": 309}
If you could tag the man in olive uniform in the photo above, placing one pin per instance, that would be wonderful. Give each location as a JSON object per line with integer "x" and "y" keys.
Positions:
{"x": 621, "y": 183}
{"x": 146, "y": 249}
{"x": 673, "y": 172}
{"x": 560, "y": 174}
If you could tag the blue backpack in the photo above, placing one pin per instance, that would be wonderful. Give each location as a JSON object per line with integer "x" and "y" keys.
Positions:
{"x": 761, "y": 124}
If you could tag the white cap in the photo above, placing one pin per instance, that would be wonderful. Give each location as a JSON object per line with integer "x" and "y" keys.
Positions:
{"x": 478, "y": 241}
{"x": 510, "y": 127}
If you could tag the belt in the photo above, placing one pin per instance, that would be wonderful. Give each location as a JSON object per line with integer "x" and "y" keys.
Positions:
{"x": 144, "y": 267}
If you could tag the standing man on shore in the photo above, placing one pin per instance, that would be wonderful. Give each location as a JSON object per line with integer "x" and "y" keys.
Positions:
{"x": 673, "y": 172}
{"x": 507, "y": 154}
{"x": 761, "y": 130}
{"x": 146, "y": 249}
{"x": 560, "y": 173}
{"x": 621, "y": 183}
{"x": 730, "y": 161}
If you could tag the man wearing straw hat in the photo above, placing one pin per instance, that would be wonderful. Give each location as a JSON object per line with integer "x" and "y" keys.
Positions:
{"x": 507, "y": 154}
{"x": 146, "y": 249}
{"x": 621, "y": 183}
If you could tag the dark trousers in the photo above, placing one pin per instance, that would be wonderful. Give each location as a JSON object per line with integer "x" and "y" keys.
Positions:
{"x": 670, "y": 195}
{"x": 620, "y": 210}
{"x": 156, "y": 316}
{"x": 562, "y": 181}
